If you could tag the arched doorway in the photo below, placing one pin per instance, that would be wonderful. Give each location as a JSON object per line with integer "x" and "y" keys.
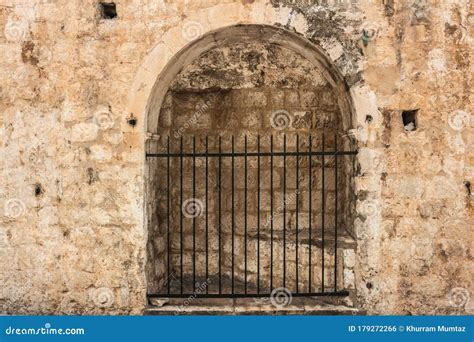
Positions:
{"x": 249, "y": 169}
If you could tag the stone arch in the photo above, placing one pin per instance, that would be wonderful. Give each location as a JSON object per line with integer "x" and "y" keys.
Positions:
{"x": 171, "y": 65}
{"x": 241, "y": 33}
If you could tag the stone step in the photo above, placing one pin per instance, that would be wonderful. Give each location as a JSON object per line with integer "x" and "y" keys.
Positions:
{"x": 251, "y": 306}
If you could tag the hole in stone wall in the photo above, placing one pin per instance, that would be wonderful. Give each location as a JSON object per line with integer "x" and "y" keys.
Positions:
{"x": 409, "y": 119}
{"x": 108, "y": 10}
{"x": 38, "y": 189}
{"x": 132, "y": 120}
{"x": 467, "y": 184}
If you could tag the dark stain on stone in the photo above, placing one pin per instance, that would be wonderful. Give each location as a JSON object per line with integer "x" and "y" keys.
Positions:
{"x": 27, "y": 53}
{"x": 387, "y": 124}
{"x": 92, "y": 175}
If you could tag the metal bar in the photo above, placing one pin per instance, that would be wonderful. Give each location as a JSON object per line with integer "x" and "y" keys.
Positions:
{"x": 297, "y": 208}
{"x": 247, "y": 295}
{"x": 168, "y": 251}
{"x": 335, "y": 214}
{"x": 194, "y": 216}
{"x": 253, "y": 154}
{"x": 233, "y": 217}
{"x": 271, "y": 212}
{"x": 219, "y": 209}
{"x": 323, "y": 205}
{"x": 284, "y": 210}
{"x": 258, "y": 214}
{"x": 245, "y": 215}
{"x": 207, "y": 215}
{"x": 310, "y": 199}
{"x": 181, "y": 215}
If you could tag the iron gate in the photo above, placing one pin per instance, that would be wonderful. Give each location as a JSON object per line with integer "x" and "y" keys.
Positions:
{"x": 221, "y": 188}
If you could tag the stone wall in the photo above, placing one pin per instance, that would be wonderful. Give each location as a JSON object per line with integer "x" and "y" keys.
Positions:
{"x": 78, "y": 94}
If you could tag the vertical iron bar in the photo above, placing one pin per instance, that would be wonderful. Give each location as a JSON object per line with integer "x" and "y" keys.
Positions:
{"x": 207, "y": 215}
{"x": 181, "y": 214}
{"x": 168, "y": 216}
{"x": 271, "y": 213}
{"x": 194, "y": 216}
{"x": 297, "y": 206}
{"x": 323, "y": 185}
{"x": 245, "y": 215}
{"x": 258, "y": 214}
{"x": 219, "y": 209}
{"x": 335, "y": 211}
{"x": 310, "y": 199}
{"x": 233, "y": 218}
{"x": 284, "y": 210}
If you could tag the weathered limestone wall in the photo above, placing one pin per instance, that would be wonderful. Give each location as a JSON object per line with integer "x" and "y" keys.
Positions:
{"x": 73, "y": 227}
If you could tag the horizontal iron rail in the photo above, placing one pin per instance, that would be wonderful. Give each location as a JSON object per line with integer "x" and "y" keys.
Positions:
{"x": 245, "y": 295}
{"x": 251, "y": 154}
